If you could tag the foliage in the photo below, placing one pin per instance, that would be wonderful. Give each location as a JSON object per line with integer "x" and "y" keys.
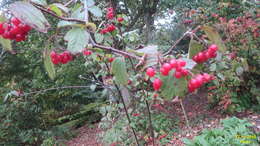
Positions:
{"x": 233, "y": 132}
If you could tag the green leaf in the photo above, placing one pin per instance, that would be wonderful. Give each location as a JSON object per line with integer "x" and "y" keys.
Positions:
{"x": 189, "y": 63}
{"x": 93, "y": 87}
{"x": 194, "y": 48}
{"x": 40, "y": 2}
{"x": 99, "y": 37}
{"x": 62, "y": 7}
{"x": 30, "y": 15}
{"x": 214, "y": 36}
{"x": 56, "y": 10}
{"x": 6, "y": 44}
{"x": 119, "y": 70}
{"x": 173, "y": 87}
{"x": 90, "y": 3}
{"x": 77, "y": 39}
{"x": 96, "y": 11}
{"x": 48, "y": 64}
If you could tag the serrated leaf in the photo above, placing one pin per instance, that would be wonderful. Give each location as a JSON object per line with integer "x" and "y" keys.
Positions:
{"x": 214, "y": 37}
{"x": 78, "y": 13}
{"x": 40, "y": 2}
{"x": 173, "y": 87}
{"x": 221, "y": 76}
{"x": 96, "y": 11}
{"x": 119, "y": 71}
{"x": 48, "y": 64}
{"x": 152, "y": 55}
{"x": 30, "y": 15}
{"x": 213, "y": 67}
{"x": 194, "y": 48}
{"x": 90, "y": 3}
{"x": 99, "y": 37}
{"x": 77, "y": 39}
{"x": 55, "y": 9}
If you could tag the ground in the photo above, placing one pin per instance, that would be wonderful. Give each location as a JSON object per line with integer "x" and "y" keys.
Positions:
{"x": 199, "y": 114}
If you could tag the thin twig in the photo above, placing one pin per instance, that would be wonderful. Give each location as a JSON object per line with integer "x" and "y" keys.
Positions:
{"x": 185, "y": 115}
{"x": 113, "y": 50}
{"x": 68, "y": 3}
{"x": 127, "y": 114}
{"x": 57, "y": 88}
{"x": 54, "y": 15}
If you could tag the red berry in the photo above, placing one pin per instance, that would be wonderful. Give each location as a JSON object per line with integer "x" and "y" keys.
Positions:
{"x": 53, "y": 54}
{"x": 179, "y": 69}
{"x": 150, "y": 72}
{"x": 15, "y": 21}
{"x": 206, "y": 77}
{"x": 213, "y": 48}
{"x": 195, "y": 58}
{"x": 164, "y": 72}
{"x": 184, "y": 72}
{"x": 87, "y": 52}
{"x": 177, "y": 75}
{"x": 111, "y": 28}
{"x": 111, "y": 59}
{"x": 181, "y": 63}
{"x": 157, "y": 83}
{"x": 19, "y": 38}
{"x": 55, "y": 61}
{"x": 2, "y": 30}
{"x": 167, "y": 66}
{"x": 174, "y": 63}
{"x": 120, "y": 19}
{"x": 15, "y": 30}
{"x": 201, "y": 57}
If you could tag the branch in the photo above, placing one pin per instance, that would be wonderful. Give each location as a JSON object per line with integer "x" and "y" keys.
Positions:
{"x": 113, "y": 50}
{"x": 57, "y": 88}
{"x": 54, "y": 15}
{"x": 189, "y": 32}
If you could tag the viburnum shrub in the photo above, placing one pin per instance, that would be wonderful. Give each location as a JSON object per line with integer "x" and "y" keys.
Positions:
{"x": 131, "y": 77}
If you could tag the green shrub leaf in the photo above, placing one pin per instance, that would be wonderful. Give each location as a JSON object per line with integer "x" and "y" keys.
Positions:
{"x": 119, "y": 70}
{"x": 77, "y": 39}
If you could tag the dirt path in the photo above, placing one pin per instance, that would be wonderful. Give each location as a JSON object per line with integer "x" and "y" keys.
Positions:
{"x": 87, "y": 136}
{"x": 200, "y": 117}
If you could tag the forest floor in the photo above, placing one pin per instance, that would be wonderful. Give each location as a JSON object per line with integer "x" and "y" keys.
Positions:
{"x": 199, "y": 114}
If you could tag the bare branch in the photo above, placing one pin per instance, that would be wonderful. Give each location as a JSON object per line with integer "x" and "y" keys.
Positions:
{"x": 54, "y": 15}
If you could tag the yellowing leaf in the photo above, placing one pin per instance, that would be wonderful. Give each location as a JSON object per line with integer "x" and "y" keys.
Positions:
{"x": 194, "y": 48}
{"x": 48, "y": 64}
{"x": 214, "y": 37}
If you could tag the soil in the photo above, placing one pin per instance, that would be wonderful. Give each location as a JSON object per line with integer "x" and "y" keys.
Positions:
{"x": 200, "y": 116}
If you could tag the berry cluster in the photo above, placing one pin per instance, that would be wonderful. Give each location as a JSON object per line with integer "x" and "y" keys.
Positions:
{"x": 109, "y": 28}
{"x": 205, "y": 55}
{"x": 63, "y": 58}
{"x": 110, "y": 13}
{"x": 86, "y": 52}
{"x": 15, "y": 30}
{"x": 198, "y": 81}
{"x": 157, "y": 83}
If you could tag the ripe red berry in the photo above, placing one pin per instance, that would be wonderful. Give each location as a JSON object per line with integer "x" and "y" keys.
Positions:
{"x": 157, "y": 83}
{"x": 181, "y": 63}
{"x": 120, "y": 19}
{"x": 213, "y": 48}
{"x": 87, "y": 52}
{"x": 19, "y": 38}
{"x": 2, "y": 30}
{"x": 150, "y": 72}
{"x": 15, "y": 21}
{"x": 111, "y": 28}
{"x": 184, "y": 72}
{"x": 167, "y": 66}
{"x": 177, "y": 75}
{"x": 164, "y": 72}
{"x": 201, "y": 57}
{"x": 111, "y": 59}
{"x": 174, "y": 63}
